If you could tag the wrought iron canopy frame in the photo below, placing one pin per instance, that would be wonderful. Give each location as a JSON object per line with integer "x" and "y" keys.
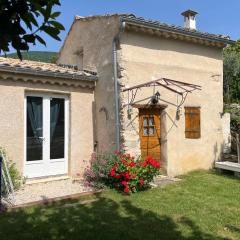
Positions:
{"x": 172, "y": 85}
{"x": 178, "y": 87}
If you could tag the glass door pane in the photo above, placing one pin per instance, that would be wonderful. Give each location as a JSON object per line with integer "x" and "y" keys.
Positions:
{"x": 57, "y": 128}
{"x": 34, "y": 128}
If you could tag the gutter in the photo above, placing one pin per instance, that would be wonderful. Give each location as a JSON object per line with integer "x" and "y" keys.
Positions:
{"x": 115, "y": 79}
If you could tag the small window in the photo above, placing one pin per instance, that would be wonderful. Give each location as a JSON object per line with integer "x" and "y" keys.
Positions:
{"x": 148, "y": 126}
{"x": 192, "y": 122}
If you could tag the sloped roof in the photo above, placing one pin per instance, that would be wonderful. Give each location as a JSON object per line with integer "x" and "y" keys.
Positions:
{"x": 90, "y": 17}
{"x": 148, "y": 23}
{"x": 44, "y": 69}
{"x": 171, "y": 27}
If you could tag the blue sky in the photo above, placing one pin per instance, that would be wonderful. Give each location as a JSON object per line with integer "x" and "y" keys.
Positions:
{"x": 215, "y": 16}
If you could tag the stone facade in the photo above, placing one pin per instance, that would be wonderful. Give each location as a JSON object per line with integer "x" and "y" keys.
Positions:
{"x": 143, "y": 57}
{"x": 95, "y": 46}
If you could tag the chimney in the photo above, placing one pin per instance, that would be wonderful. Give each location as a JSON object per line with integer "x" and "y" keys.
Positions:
{"x": 189, "y": 19}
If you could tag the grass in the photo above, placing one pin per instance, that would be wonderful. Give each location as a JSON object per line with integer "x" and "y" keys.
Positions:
{"x": 204, "y": 205}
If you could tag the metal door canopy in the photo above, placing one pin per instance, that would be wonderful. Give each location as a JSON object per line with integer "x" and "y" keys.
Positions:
{"x": 172, "y": 85}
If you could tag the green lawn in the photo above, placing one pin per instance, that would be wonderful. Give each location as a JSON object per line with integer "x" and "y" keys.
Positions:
{"x": 202, "y": 206}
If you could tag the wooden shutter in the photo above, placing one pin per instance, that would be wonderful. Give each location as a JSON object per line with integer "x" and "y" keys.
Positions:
{"x": 192, "y": 122}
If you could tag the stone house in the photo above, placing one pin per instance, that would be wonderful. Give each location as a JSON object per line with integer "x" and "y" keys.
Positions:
{"x": 158, "y": 91}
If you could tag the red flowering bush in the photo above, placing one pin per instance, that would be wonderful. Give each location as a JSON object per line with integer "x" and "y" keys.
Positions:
{"x": 130, "y": 175}
{"x": 123, "y": 172}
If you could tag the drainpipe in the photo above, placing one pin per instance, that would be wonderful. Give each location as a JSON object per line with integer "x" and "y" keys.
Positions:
{"x": 115, "y": 79}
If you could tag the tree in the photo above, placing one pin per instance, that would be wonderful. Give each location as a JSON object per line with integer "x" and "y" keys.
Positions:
{"x": 21, "y": 21}
{"x": 232, "y": 73}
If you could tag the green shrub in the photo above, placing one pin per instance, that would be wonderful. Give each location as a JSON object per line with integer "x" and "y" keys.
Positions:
{"x": 235, "y": 124}
{"x": 16, "y": 177}
{"x": 234, "y": 110}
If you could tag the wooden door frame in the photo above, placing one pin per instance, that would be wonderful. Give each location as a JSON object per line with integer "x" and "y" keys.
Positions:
{"x": 163, "y": 147}
{"x": 150, "y": 106}
{"x": 158, "y": 107}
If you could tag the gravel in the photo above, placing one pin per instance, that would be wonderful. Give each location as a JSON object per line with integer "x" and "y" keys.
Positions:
{"x": 46, "y": 190}
{"x": 43, "y": 191}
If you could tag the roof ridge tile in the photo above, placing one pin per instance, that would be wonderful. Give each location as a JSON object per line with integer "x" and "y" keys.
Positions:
{"x": 175, "y": 27}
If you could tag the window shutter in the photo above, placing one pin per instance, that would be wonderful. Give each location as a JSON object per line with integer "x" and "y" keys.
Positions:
{"x": 192, "y": 122}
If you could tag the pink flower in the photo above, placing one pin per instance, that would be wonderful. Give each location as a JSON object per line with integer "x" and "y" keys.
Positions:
{"x": 112, "y": 173}
{"x": 132, "y": 164}
{"x": 157, "y": 165}
{"x": 124, "y": 162}
{"x": 125, "y": 183}
{"x": 145, "y": 164}
{"x": 127, "y": 176}
{"x": 140, "y": 164}
{"x": 126, "y": 190}
{"x": 141, "y": 182}
{"x": 150, "y": 160}
{"x": 114, "y": 167}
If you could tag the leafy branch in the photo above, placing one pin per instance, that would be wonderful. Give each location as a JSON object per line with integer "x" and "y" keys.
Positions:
{"x": 16, "y": 15}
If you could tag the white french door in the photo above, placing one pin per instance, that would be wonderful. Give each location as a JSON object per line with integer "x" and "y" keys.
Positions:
{"x": 46, "y": 135}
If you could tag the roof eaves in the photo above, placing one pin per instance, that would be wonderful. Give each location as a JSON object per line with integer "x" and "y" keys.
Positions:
{"x": 47, "y": 73}
{"x": 172, "y": 28}
{"x": 82, "y": 18}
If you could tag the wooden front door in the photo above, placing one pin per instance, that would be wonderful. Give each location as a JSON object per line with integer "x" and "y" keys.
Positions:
{"x": 149, "y": 121}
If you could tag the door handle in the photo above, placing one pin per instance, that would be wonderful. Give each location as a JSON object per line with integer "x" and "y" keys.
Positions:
{"x": 41, "y": 138}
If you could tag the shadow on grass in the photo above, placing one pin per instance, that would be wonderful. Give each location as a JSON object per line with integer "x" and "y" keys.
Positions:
{"x": 101, "y": 219}
{"x": 225, "y": 173}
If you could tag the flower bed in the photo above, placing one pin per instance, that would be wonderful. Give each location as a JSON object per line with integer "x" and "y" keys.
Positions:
{"x": 122, "y": 172}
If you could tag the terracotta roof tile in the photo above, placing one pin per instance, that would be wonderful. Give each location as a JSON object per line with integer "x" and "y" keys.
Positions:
{"x": 158, "y": 24}
{"x": 141, "y": 20}
{"x": 44, "y": 68}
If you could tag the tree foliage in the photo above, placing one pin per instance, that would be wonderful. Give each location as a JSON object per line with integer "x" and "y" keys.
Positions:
{"x": 21, "y": 21}
{"x": 232, "y": 73}
{"x": 39, "y": 56}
